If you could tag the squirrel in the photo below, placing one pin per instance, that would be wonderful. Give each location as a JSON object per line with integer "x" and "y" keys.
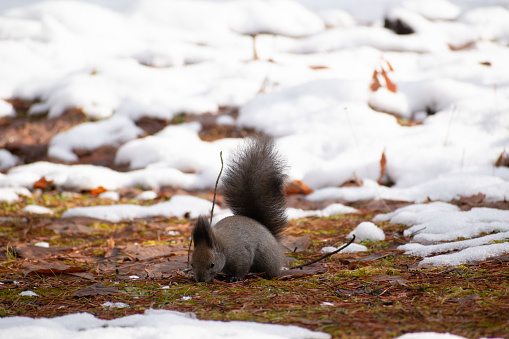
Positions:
{"x": 253, "y": 188}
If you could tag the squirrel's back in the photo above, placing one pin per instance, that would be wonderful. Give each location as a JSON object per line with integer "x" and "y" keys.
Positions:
{"x": 253, "y": 184}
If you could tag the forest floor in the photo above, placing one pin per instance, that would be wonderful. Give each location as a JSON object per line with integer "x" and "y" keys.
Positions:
{"x": 381, "y": 293}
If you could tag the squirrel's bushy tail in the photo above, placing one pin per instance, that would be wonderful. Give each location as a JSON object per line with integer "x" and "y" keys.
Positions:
{"x": 253, "y": 184}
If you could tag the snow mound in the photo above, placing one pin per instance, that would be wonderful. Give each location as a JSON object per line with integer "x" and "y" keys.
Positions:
{"x": 151, "y": 324}
{"x": 436, "y": 226}
{"x": 178, "y": 206}
{"x": 367, "y": 231}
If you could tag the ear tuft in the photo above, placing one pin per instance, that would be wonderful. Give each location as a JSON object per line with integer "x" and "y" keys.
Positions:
{"x": 202, "y": 232}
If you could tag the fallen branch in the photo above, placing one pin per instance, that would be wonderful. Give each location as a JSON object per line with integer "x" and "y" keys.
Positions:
{"x": 325, "y": 256}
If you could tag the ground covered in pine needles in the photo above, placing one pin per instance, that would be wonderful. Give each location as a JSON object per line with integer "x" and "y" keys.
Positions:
{"x": 379, "y": 294}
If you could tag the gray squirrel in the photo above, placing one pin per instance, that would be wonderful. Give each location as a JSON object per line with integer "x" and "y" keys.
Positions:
{"x": 248, "y": 241}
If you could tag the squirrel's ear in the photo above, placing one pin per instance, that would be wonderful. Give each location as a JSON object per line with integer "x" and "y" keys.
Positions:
{"x": 202, "y": 232}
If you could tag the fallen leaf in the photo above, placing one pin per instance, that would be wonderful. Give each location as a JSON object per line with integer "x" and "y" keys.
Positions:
{"x": 394, "y": 280}
{"x": 43, "y": 183}
{"x": 298, "y": 187}
{"x": 354, "y": 181}
{"x": 375, "y": 83}
{"x": 73, "y": 225}
{"x": 96, "y": 289}
{"x": 98, "y": 190}
{"x": 318, "y": 67}
{"x": 471, "y": 297}
{"x": 383, "y": 162}
{"x": 314, "y": 322}
{"x": 390, "y": 85}
{"x": 51, "y": 268}
{"x": 146, "y": 253}
{"x": 36, "y": 252}
{"x": 296, "y": 245}
{"x": 168, "y": 268}
{"x": 466, "y": 203}
{"x": 503, "y": 159}
{"x": 316, "y": 268}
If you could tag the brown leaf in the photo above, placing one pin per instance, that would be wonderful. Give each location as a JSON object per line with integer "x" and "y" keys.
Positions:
{"x": 466, "y": 203}
{"x": 36, "y": 252}
{"x": 468, "y": 298}
{"x": 317, "y": 268}
{"x": 147, "y": 253}
{"x": 42, "y": 183}
{"x": 98, "y": 190}
{"x": 394, "y": 280}
{"x": 375, "y": 83}
{"x": 389, "y": 65}
{"x": 296, "y": 245}
{"x": 354, "y": 181}
{"x": 383, "y": 162}
{"x": 96, "y": 289}
{"x": 390, "y": 85}
{"x": 318, "y": 67}
{"x": 167, "y": 269}
{"x": 503, "y": 160}
{"x": 297, "y": 187}
{"x": 51, "y": 268}
{"x": 73, "y": 225}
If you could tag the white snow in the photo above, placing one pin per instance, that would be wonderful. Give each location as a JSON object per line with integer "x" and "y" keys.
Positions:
{"x": 146, "y": 195}
{"x": 28, "y": 294}
{"x": 42, "y": 244}
{"x": 6, "y": 110}
{"x": 35, "y": 209}
{"x": 11, "y": 194}
{"x": 352, "y": 248}
{"x": 310, "y": 88}
{"x": 366, "y": 231}
{"x": 88, "y": 136}
{"x": 7, "y": 159}
{"x": 332, "y": 209}
{"x": 436, "y": 227}
{"x": 153, "y": 324}
{"x": 178, "y": 206}
{"x": 109, "y": 304}
{"x": 112, "y": 195}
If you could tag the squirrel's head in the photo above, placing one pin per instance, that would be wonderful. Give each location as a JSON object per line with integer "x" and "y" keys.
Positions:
{"x": 207, "y": 260}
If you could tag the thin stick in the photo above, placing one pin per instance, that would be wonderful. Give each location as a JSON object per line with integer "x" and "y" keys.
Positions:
{"x": 215, "y": 188}
{"x": 211, "y": 212}
{"x": 325, "y": 256}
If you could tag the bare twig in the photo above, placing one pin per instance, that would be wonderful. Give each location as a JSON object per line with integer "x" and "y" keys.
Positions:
{"x": 211, "y": 211}
{"x": 327, "y": 255}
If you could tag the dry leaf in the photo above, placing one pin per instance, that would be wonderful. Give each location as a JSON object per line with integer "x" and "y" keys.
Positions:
{"x": 503, "y": 160}
{"x": 296, "y": 245}
{"x": 147, "y": 253}
{"x": 383, "y": 162}
{"x": 43, "y": 183}
{"x": 96, "y": 289}
{"x": 354, "y": 181}
{"x": 73, "y": 225}
{"x": 375, "y": 83}
{"x": 98, "y": 190}
{"x": 318, "y": 67}
{"x": 394, "y": 280}
{"x": 36, "y": 252}
{"x": 298, "y": 187}
{"x": 390, "y": 85}
{"x": 316, "y": 268}
{"x": 51, "y": 268}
